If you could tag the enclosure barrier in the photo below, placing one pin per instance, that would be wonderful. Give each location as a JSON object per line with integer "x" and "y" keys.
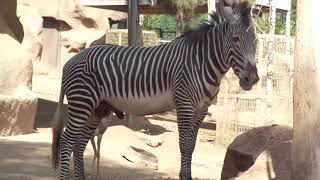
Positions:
{"x": 269, "y": 102}
{"x": 120, "y": 37}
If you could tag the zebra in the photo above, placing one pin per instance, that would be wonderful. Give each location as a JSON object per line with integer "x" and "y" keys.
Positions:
{"x": 184, "y": 74}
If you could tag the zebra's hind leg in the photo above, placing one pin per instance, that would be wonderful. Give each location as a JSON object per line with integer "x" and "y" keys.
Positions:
{"x": 93, "y": 143}
{"x": 79, "y": 147}
{"x": 189, "y": 122}
{"x": 80, "y": 108}
{"x": 71, "y": 134}
{"x": 98, "y": 153}
{"x": 103, "y": 125}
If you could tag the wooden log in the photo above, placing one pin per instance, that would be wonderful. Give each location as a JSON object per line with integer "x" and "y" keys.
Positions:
{"x": 306, "y": 93}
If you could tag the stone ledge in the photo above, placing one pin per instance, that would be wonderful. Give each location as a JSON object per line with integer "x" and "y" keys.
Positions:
{"x": 17, "y": 113}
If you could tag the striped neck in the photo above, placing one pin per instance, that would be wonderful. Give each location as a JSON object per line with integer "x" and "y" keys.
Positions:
{"x": 216, "y": 63}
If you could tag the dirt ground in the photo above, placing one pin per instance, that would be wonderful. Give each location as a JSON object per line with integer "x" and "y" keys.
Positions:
{"x": 27, "y": 157}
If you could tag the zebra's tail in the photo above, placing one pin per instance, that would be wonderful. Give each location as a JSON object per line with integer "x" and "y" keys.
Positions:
{"x": 57, "y": 131}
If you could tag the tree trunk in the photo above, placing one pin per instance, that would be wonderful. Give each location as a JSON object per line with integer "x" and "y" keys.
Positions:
{"x": 306, "y": 124}
{"x": 180, "y": 23}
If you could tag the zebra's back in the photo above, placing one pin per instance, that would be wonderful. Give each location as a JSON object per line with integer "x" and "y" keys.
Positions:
{"x": 126, "y": 76}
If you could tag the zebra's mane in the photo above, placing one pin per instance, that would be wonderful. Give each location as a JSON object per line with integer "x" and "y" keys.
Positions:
{"x": 192, "y": 35}
{"x": 242, "y": 9}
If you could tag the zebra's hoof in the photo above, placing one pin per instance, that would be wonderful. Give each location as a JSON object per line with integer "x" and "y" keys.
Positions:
{"x": 183, "y": 177}
{"x": 188, "y": 178}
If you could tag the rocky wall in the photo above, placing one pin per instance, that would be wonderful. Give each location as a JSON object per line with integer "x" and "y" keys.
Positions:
{"x": 67, "y": 29}
{"x": 17, "y": 102}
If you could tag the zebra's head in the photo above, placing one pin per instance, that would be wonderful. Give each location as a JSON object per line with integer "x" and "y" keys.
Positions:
{"x": 240, "y": 43}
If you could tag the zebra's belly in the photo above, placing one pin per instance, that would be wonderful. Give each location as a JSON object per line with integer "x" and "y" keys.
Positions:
{"x": 143, "y": 105}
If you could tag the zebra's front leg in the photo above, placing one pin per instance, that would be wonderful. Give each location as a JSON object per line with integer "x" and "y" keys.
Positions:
{"x": 189, "y": 121}
{"x": 79, "y": 147}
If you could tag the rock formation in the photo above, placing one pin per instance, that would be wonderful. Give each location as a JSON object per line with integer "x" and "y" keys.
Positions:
{"x": 260, "y": 152}
{"x": 17, "y": 102}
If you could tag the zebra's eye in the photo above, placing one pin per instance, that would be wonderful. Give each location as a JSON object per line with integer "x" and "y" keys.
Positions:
{"x": 235, "y": 39}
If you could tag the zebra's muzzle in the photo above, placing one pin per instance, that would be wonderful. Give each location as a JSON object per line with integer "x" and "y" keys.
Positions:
{"x": 247, "y": 82}
{"x": 248, "y": 76}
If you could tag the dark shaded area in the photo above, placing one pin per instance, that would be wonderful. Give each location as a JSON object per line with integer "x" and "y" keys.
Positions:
{"x": 8, "y": 10}
{"x": 244, "y": 150}
{"x": 24, "y": 159}
{"x": 87, "y": 22}
{"x": 205, "y": 125}
{"x": 104, "y": 109}
{"x": 279, "y": 164}
{"x": 29, "y": 160}
{"x": 53, "y": 23}
{"x": 47, "y": 108}
{"x": 45, "y": 112}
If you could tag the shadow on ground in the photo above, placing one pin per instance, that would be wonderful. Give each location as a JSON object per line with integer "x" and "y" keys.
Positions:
{"x": 24, "y": 160}
{"x": 46, "y": 110}
{"x": 31, "y": 161}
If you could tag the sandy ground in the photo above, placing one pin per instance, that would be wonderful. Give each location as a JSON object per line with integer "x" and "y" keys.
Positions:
{"x": 27, "y": 157}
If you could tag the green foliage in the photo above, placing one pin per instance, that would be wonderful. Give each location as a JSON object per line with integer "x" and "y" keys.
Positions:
{"x": 293, "y": 17}
{"x": 253, "y": 2}
{"x": 199, "y": 18}
{"x": 184, "y": 4}
{"x": 263, "y": 22}
{"x": 281, "y": 24}
{"x": 165, "y": 25}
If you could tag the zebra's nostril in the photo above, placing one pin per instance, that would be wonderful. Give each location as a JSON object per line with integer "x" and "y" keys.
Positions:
{"x": 236, "y": 71}
{"x": 246, "y": 79}
{"x": 257, "y": 79}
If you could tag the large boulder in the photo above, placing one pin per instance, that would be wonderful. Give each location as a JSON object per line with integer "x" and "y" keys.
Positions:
{"x": 273, "y": 164}
{"x": 32, "y": 23}
{"x": 17, "y": 112}
{"x": 17, "y": 102}
{"x": 82, "y": 17}
{"x": 8, "y": 15}
{"x": 243, "y": 152}
{"x": 15, "y": 70}
{"x": 68, "y": 28}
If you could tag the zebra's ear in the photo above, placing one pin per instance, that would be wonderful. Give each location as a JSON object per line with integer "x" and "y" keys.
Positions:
{"x": 229, "y": 15}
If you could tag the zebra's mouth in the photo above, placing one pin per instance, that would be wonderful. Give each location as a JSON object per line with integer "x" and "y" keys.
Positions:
{"x": 247, "y": 84}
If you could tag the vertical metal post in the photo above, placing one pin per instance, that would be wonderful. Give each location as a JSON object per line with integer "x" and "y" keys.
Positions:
{"x": 288, "y": 25}
{"x": 270, "y": 60}
{"x": 134, "y": 32}
{"x": 273, "y": 11}
{"x": 288, "y": 28}
{"x": 134, "y": 35}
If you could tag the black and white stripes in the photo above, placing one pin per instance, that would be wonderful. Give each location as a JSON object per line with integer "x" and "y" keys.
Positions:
{"x": 184, "y": 74}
